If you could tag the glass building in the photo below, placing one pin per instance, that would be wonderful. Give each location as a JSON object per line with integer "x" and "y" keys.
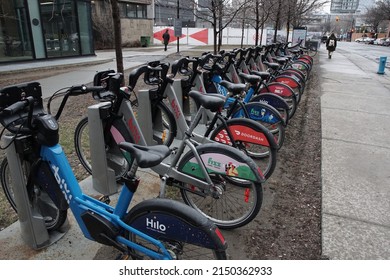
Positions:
{"x": 41, "y": 29}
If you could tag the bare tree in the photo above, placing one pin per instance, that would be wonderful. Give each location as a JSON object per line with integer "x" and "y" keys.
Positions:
{"x": 257, "y": 13}
{"x": 278, "y": 19}
{"x": 102, "y": 25}
{"x": 219, "y": 13}
{"x": 298, "y": 10}
{"x": 384, "y": 7}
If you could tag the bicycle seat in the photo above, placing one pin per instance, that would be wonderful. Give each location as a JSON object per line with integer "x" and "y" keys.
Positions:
{"x": 253, "y": 79}
{"x": 272, "y": 65}
{"x": 146, "y": 156}
{"x": 281, "y": 60}
{"x": 263, "y": 74}
{"x": 212, "y": 102}
{"x": 232, "y": 87}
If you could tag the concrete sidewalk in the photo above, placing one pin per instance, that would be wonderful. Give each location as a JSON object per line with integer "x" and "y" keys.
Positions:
{"x": 103, "y": 60}
{"x": 355, "y": 116}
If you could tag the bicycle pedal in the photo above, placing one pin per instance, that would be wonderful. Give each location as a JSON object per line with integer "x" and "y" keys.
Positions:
{"x": 173, "y": 150}
{"x": 103, "y": 198}
{"x": 122, "y": 257}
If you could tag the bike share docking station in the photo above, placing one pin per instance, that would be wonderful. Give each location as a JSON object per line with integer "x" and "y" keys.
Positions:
{"x": 144, "y": 113}
{"x": 103, "y": 177}
{"x": 32, "y": 224}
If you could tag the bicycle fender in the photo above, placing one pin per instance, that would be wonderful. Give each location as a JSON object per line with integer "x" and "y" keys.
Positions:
{"x": 291, "y": 81}
{"x": 45, "y": 179}
{"x": 250, "y": 131}
{"x": 260, "y": 112}
{"x": 172, "y": 220}
{"x": 280, "y": 89}
{"x": 221, "y": 159}
{"x": 272, "y": 99}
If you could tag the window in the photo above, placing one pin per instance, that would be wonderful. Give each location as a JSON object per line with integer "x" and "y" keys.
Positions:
{"x": 134, "y": 10}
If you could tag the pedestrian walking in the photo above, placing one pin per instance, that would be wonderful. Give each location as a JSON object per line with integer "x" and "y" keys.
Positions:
{"x": 166, "y": 38}
{"x": 331, "y": 44}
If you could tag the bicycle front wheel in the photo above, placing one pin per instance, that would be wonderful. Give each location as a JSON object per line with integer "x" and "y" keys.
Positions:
{"x": 5, "y": 178}
{"x": 54, "y": 218}
{"x": 164, "y": 125}
{"x": 115, "y": 158}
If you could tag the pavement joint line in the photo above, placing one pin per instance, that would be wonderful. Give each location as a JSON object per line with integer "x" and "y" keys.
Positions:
{"x": 356, "y": 219}
{"x": 356, "y": 111}
{"x": 352, "y": 95}
{"x": 353, "y": 142}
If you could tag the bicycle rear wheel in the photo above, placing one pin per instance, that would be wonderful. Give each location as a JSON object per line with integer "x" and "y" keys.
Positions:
{"x": 115, "y": 158}
{"x": 265, "y": 115}
{"x": 235, "y": 198}
{"x": 185, "y": 233}
{"x": 253, "y": 139}
{"x": 285, "y": 92}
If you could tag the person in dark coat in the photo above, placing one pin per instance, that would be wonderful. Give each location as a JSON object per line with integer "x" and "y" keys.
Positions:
{"x": 331, "y": 44}
{"x": 166, "y": 38}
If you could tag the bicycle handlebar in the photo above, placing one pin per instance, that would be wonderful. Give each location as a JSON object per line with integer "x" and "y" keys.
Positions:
{"x": 18, "y": 106}
{"x": 73, "y": 91}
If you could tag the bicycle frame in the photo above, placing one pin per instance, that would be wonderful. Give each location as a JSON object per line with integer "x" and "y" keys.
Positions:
{"x": 232, "y": 102}
{"x": 169, "y": 170}
{"x": 80, "y": 203}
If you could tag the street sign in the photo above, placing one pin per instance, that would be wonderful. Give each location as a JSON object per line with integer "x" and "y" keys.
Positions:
{"x": 177, "y": 27}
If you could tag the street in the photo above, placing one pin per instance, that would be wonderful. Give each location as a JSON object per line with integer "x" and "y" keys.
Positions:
{"x": 370, "y": 52}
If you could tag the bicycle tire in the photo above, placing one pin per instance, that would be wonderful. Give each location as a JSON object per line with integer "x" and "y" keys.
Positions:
{"x": 293, "y": 83}
{"x": 264, "y": 154}
{"x": 232, "y": 203}
{"x": 301, "y": 66}
{"x": 180, "y": 246}
{"x": 115, "y": 158}
{"x": 255, "y": 109}
{"x": 54, "y": 218}
{"x": 7, "y": 188}
{"x": 275, "y": 101}
{"x": 164, "y": 124}
{"x": 312, "y": 51}
{"x": 285, "y": 92}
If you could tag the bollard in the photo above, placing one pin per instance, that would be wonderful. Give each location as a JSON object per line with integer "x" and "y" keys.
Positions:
{"x": 382, "y": 64}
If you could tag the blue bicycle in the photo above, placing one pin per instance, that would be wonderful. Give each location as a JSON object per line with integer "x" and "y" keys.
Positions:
{"x": 153, "y": 229}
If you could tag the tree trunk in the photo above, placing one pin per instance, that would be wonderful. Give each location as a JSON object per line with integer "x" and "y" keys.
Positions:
{"x": 257, "y": 24}
{"x": 242, "y": 31}
{"x": 277, "y": 21}
{"x": 117, "y": 36}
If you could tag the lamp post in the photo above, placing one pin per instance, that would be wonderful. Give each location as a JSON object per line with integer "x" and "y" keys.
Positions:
{"x": 178, "y": 9}
{"x": 247, "y": 33}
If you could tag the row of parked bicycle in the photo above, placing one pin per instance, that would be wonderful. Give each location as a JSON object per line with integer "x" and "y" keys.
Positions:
{"x": 244, "y": 99}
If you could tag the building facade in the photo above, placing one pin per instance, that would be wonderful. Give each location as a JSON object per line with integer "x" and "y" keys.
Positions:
{"x": 137, "y": 19}
{"x": 41, "y": 29}
{"x": 344, "y": 6}
{"x": 350, "y": 6}
{"x": 167, "y": 10}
